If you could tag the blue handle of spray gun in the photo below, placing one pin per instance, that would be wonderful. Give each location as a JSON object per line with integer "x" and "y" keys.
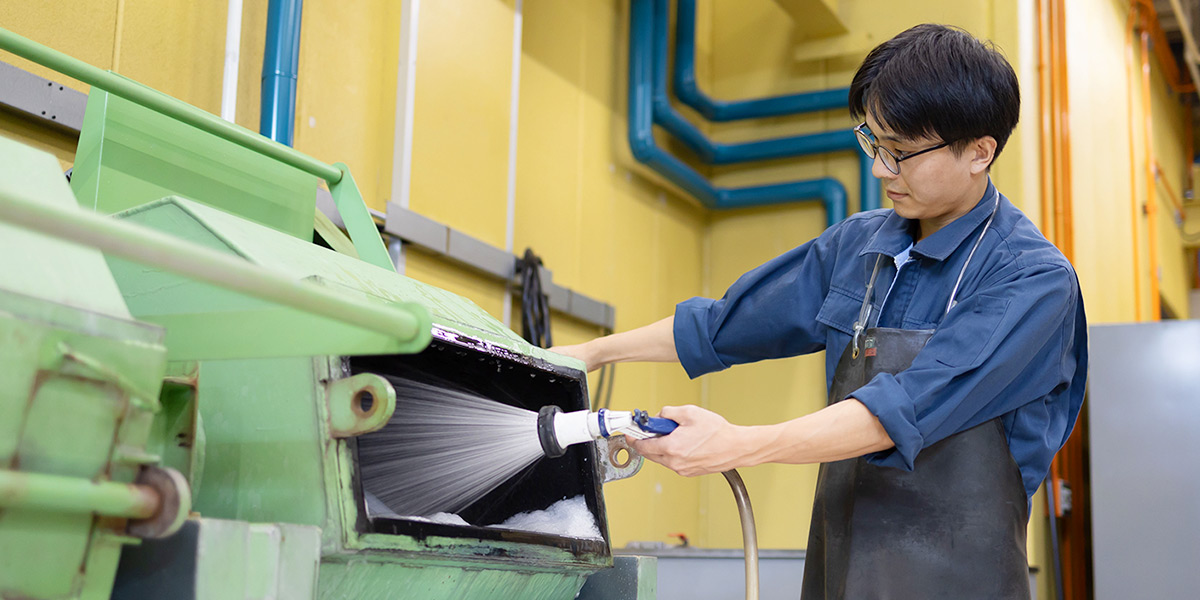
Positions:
{"x": 659, "y": 425}
{"x": 655, "y": 425}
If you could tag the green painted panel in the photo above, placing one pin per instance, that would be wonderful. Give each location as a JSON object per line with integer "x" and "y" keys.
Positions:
{"x": 256, "y": 560}
{"x": 101, "y": 567}
{"x": 69, "y": 428}
{"x": 43, "y": 553}
{"x": 204, "y": 321}
{"x": 78, "y": 276}
{"x": 19, "y": 341}
{"x": 369, "y": 581}
{"x": 129, "y": 155}
{"x": 262, "y": 452}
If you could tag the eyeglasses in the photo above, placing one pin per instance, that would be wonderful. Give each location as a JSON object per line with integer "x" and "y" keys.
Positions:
{"x": 866, "y": 140}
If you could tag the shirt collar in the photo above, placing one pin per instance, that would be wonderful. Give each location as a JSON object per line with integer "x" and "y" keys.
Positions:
{"x": 896, "y": 234}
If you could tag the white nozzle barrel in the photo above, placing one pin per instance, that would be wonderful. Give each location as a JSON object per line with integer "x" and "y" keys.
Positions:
{"x": 575, "y": 427}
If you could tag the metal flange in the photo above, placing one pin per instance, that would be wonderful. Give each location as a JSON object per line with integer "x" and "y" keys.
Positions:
{"x": 174, "y": 503}
{"x": 359, "y": 404}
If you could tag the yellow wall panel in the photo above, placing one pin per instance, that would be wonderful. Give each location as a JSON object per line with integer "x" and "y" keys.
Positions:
{"x": 345, "y": 108}
{"x": 174, "y": 33}
{"x": 84, "y": 30}
{"x": 1169, "y": 145}
{"x": 549, "y": 181}
{"x": 1101, "y": 180}
{"x": 26, "y": 131}
{"x": 461, "y": 128}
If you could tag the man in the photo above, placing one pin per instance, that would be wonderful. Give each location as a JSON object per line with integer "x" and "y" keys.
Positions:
{"x": 955, "y": 345}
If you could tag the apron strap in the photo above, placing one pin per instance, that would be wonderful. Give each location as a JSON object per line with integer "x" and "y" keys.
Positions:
{"x": 864, "y": 313}
{"x": 954, "y": 293}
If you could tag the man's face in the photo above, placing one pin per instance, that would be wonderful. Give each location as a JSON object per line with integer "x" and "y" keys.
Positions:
{"x": 936, "y": 186}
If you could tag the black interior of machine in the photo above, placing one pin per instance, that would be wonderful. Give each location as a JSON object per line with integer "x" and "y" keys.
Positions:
{"x": 460, "y": 362}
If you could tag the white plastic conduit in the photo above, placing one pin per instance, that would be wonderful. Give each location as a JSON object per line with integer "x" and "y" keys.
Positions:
{"x": 233, "y": 46}
{"x": 406, "y": 75}
{"x": 514, "y": 109}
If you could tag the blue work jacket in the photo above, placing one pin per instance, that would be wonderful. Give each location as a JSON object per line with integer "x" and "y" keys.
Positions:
{"x": 1013, "y": 346}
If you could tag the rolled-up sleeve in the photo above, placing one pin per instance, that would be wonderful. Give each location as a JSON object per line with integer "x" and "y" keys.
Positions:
{"x": 767, "y": 313}
{"x": 1008, "y": 344}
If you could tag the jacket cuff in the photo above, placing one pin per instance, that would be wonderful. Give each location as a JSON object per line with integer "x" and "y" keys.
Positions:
{"x": 693, "y": 341}
{"x": 888, "y": 401}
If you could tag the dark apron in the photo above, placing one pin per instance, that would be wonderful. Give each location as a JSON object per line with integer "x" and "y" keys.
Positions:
{"x": 953, "y": 527}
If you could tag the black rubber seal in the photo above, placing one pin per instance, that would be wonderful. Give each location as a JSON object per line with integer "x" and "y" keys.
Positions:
{"x": 546, "y": 431}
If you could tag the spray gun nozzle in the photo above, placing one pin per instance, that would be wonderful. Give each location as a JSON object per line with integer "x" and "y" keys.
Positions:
{"x": 546, "y": 433}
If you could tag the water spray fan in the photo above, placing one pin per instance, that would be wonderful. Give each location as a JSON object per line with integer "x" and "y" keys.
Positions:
{"x": 558, "y": 430}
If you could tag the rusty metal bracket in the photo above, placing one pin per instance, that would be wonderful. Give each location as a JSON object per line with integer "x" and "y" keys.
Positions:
{"x": 617, "y": 459}
{"x": 359, "y": 404}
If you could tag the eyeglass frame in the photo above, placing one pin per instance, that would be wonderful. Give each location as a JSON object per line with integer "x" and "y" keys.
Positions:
{"x": 874, "y": 145}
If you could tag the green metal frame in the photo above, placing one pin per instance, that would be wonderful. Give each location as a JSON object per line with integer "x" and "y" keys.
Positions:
{"x": 353, "y": 211}
{"x": 75, "y": 495}
{"x": 78, "y": 390}
{"x": 408, "y": 323}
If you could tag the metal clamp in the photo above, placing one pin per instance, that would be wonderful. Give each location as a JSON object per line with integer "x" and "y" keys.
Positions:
{"x": 617, "y": 459}
{"x": 359, "y": 404}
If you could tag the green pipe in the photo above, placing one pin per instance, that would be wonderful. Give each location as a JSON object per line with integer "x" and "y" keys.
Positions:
{"x": 148, "y": 247}
{"x": 76, "y": 495}
{"x": 158, "y": 101}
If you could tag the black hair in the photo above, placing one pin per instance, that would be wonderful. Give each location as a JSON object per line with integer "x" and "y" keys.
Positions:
{"x": 938, "y": 81}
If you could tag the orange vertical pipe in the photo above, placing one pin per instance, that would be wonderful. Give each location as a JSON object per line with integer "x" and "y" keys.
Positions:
{"x": 1045, "y": 111}
{"x": 1050, "y": 157}
{"x": 1067, "y": 245}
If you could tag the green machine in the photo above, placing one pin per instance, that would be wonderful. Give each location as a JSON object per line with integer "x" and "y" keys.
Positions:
{"x": 186, "y": 376}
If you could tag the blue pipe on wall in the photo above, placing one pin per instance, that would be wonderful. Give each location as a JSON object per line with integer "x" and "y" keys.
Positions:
{"x": 281, "y": 64}
{"x": 717, "y": 153}
{"x": 689, "y": 92}
{"x": 714, "y": 153}
{"x": 641, "y": 139}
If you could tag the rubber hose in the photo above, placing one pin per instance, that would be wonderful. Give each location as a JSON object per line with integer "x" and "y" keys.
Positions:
{"x": 749, "y": 535}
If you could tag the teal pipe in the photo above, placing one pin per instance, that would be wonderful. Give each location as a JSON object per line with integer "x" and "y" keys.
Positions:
{"x": 689, "y": 92}
{"x": 160, "y": 102}
{"x": 646, "y": 150}
{"x": 56, "y": 493}
{"x": 281, "y": 67}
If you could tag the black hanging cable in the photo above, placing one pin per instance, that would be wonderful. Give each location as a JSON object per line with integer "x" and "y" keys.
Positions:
{"x": 1056, "y": 562}
{"x": 535, "y": 306}
{"x": 608, "y": 377}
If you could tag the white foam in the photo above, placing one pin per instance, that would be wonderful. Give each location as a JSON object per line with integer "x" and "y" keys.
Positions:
{"x": 443, "y": 518}
{"x": 448, "y": 519}
{"x": 568, "y": 517}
